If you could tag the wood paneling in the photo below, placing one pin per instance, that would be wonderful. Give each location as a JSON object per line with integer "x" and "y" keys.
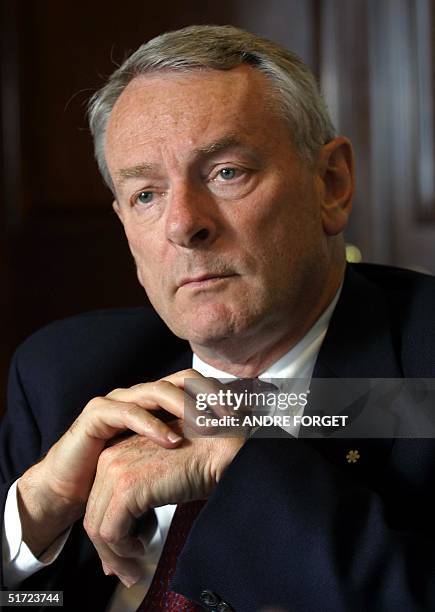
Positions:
{"x": 377, "y": 73}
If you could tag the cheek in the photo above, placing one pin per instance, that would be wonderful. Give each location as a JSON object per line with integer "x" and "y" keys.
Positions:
{"x": 283, "y": 231}
{"x": 267, "y": 222}
{"x": 142, "y": 243}
{"x": 147, "y": 260}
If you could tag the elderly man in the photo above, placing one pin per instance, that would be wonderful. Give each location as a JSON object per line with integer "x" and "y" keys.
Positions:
{"x": 233, "y": 192}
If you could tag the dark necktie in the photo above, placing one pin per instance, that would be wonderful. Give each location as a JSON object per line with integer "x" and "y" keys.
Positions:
{"x": 159, "y": 595}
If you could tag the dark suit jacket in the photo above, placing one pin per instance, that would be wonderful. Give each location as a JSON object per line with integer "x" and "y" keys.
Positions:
{"x": 291, "y": 524}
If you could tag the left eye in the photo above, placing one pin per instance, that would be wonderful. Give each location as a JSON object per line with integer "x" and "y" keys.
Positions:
{"x": 145, "y": 197}
{"x": 228, "y": 173}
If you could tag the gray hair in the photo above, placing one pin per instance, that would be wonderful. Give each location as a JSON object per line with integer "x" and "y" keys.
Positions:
{"x": 222, "y": 48}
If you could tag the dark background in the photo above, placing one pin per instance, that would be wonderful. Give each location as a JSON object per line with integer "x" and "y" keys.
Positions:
{"x": 61, "y": 248}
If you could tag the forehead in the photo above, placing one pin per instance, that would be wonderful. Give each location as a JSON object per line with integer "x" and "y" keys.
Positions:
{"x": 191, "y": 108}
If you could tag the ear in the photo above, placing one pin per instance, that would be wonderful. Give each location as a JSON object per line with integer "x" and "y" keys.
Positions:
{"x": 336, "y": 171}
{"x": 117, "y": 209}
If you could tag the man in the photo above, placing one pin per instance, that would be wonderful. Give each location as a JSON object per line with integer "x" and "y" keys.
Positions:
{"x": 233, "y": 192}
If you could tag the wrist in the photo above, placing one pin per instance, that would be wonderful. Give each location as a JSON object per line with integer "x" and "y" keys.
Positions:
{"x": 44, "y": 515}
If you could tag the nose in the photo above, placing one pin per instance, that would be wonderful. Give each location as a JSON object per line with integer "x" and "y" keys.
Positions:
{"x": 191, "y": 218}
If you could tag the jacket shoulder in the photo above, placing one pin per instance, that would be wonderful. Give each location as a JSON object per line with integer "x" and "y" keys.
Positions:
{"x": 392, "y": 278}
{"x": 410, "y": 298}
{"x": 410, "y": 293}
{"x": 106, "y": 326}
{"x": 94, "y": 336}
{"x": 71, "y": 360}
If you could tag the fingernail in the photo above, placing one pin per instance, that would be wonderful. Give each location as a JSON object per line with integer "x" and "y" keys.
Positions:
{"x": 173, "y": 437}
{"x": 127, "y": 582}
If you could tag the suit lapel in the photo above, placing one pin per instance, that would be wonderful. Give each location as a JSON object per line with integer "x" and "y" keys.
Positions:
{"x": 359, "y": 344}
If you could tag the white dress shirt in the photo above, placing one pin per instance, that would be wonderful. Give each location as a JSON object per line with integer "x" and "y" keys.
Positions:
{"x": 19, "y": 562}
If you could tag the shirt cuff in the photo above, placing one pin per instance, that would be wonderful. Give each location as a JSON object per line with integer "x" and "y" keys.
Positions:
{"x": 18, "y": 560}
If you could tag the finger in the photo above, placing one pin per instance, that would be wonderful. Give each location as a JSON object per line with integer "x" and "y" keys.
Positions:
{"x": 128, "y": 570}
{"x": 135, "y": 391}
{"x": 98, "y": 500}
{"x": 105, "y": 418}
{"x": 152, "y": 395}
{"x": 124, "y": 564}
{"x": 215, "y": 396}
{"x": 194, "y": 383}
{"x": 116, "y": 529}
{"x": 145, "y": 393}
{"x": 156, "y": 395}
{"x": 165, "y": 394}
{"x": 179, "y": 378}
{"x": 215, "y": 400}
{"x": 162, "y": 393}
{"x": 106, "y": 569}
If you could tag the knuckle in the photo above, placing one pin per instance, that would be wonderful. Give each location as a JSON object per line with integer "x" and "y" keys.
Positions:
{"x": 129, "y": 410}
{"x": 90, "y": 529}
{"x": 125, "y": 483}
{"x": 107, "y": 456}
{"x": 188, "y": 373}
{"x": 115, "y": 391}
{"x": 122, "y": 475}
{"x": 107, "y": 535}
{"x": 160, "y": 385}
{"x": 115, "y": 468}
{"x": 94, "y": 403}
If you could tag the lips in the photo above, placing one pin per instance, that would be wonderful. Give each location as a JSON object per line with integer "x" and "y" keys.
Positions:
{"x": 204, "y": 279}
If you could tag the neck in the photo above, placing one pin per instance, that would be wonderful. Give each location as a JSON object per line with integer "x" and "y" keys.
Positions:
{"x": 258, "y": 349}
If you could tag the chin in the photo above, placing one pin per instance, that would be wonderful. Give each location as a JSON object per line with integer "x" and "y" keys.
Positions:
{"x": 206, "y": 336}
{"x": 212, "y": 321}
{"x": 202, "y": 326}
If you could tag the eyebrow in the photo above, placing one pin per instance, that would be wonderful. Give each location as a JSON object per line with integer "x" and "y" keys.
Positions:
{"x": 138, "y": 171}
{"x": 141, "y": 170}
{"x": 227, "y": 142}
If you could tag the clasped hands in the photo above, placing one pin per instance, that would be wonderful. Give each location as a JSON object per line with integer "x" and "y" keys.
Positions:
{"x": 97, "y": 472}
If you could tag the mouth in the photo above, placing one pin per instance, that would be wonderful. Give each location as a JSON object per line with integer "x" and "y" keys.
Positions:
{"x": 204, "y": 280}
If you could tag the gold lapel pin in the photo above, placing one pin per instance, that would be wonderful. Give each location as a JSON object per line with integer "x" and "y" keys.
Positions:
{"x": 352, "y": 456}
